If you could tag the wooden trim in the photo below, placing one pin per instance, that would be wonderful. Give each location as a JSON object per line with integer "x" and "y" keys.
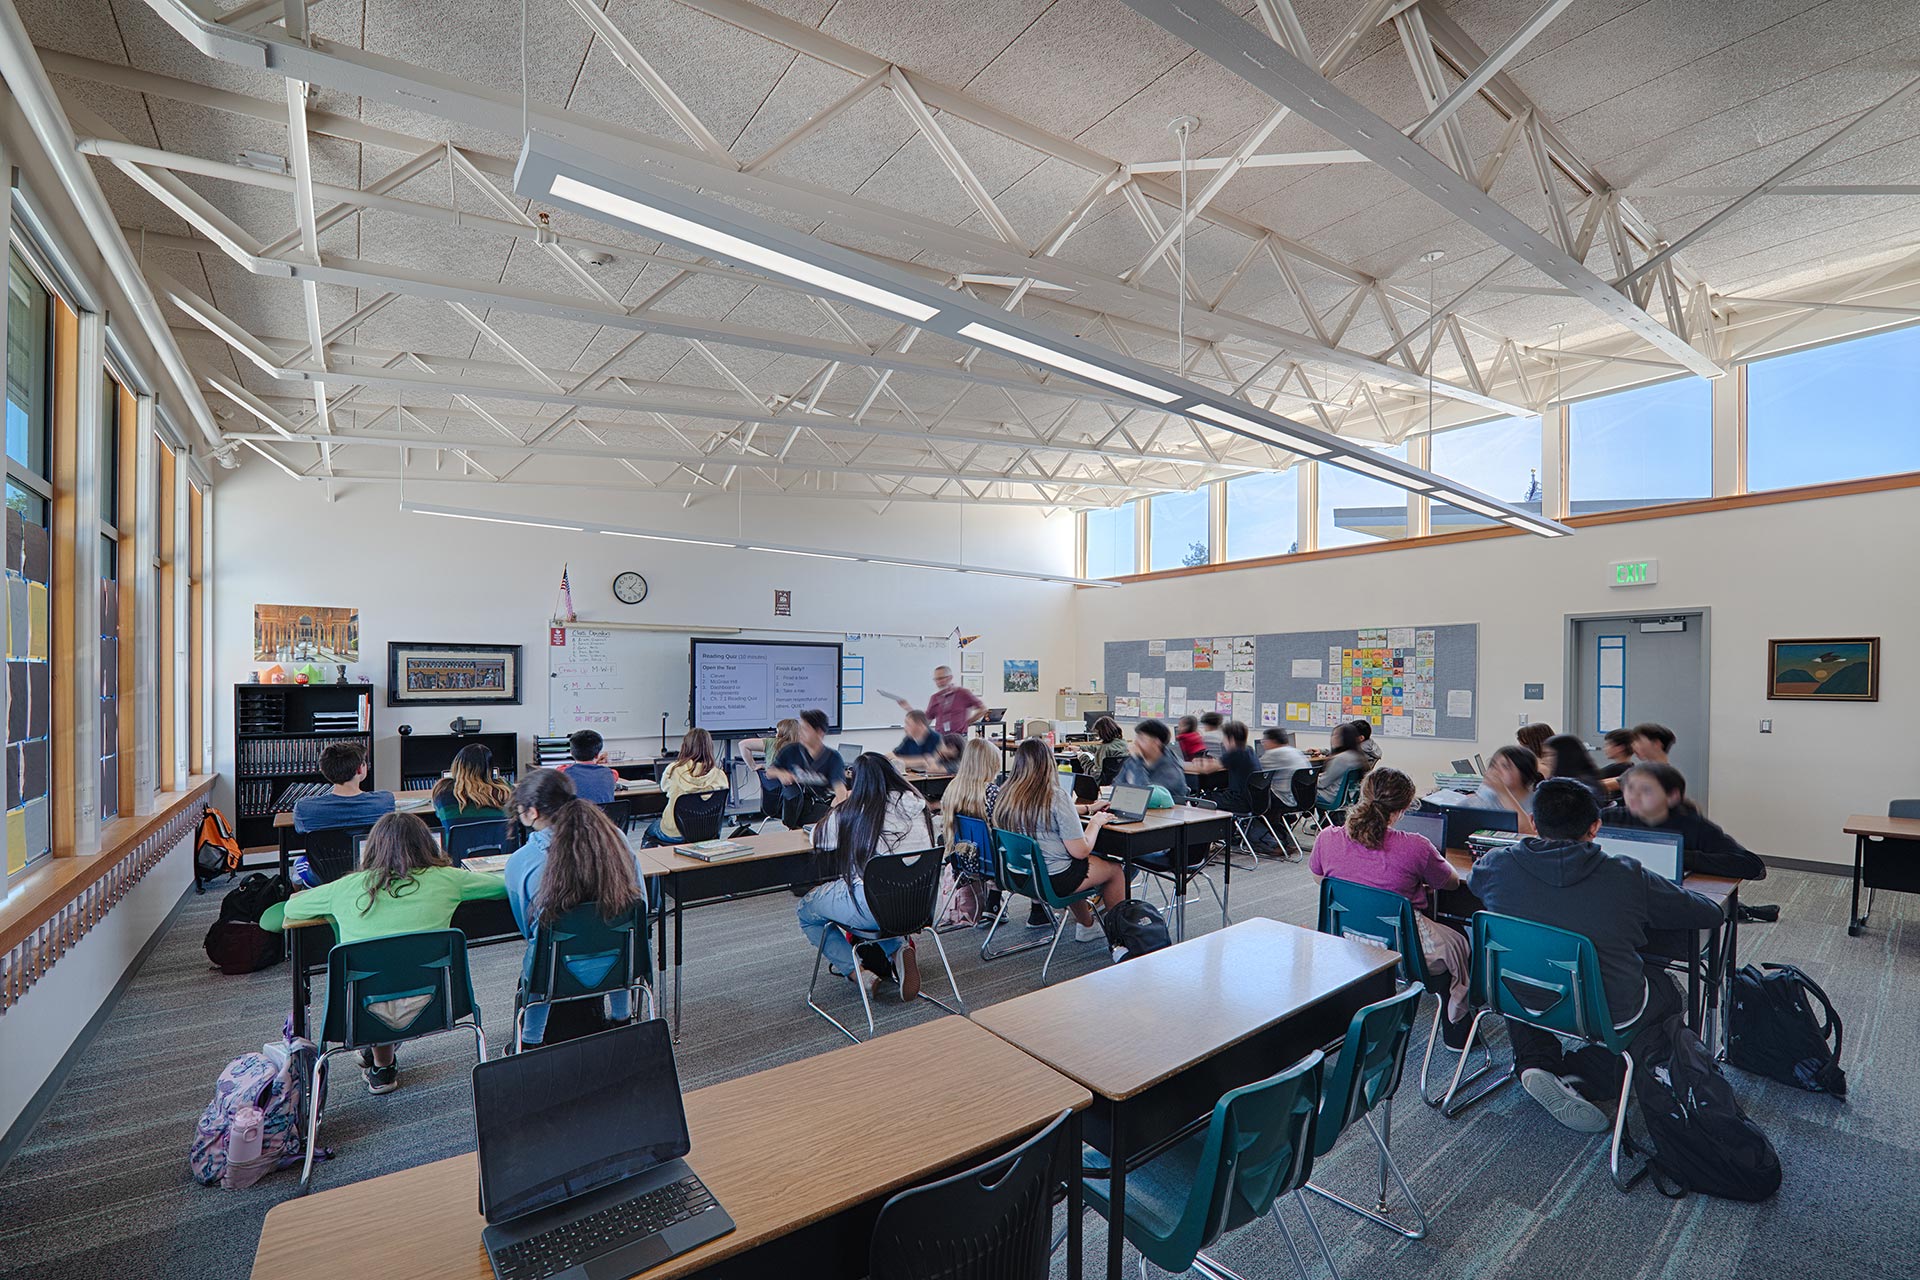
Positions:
{"x": 41, "y": 892}
{"x": 130, "y": 571}
{"x": 167, "y": 705}
{"x": 1661, "y": 511}
{"x": 66, "y": 523}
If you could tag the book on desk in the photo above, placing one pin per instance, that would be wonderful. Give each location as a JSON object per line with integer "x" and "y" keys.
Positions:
{"x": 713, "y": 850}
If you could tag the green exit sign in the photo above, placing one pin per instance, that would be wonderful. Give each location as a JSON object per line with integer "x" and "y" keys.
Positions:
{"x": 1634, "y": 573}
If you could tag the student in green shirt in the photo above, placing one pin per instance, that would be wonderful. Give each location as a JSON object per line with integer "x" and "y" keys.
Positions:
{"x": 404, "y": 885}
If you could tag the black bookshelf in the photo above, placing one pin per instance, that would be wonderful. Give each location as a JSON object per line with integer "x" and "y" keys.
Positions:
{"x": 425, "y": 756}
{"x": 279, "y": 731}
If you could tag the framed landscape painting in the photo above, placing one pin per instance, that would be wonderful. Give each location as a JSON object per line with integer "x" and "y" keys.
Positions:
{"x": 1824, "y": 670}
{"x": 449, "y": 674}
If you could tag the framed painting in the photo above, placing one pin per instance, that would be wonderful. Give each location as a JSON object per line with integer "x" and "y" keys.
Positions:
{"x": 1824, "y": 670}
{"x": 420, "y": 674}
{"x": 305, "y": 633}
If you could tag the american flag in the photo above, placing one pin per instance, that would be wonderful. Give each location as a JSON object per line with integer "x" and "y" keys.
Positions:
{"x": 566, "y": 595}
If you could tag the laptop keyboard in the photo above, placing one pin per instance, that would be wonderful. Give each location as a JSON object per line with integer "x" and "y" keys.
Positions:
{"x": 583, "y": 1239}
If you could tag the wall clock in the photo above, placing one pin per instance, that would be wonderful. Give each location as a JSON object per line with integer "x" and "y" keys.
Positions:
{"x": 629, "y": 588}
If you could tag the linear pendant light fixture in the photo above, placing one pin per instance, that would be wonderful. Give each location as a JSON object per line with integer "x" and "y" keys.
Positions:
{"x": 744, "y": 544}
{"x": 557, "y": 172}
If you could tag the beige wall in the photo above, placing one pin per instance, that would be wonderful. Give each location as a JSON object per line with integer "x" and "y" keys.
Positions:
{"x": 1834, "y": 567}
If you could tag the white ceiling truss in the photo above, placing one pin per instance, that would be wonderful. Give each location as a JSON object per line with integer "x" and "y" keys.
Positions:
{"x": 508, "y": 351}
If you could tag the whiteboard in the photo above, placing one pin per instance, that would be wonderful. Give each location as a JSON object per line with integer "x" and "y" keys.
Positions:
{"x": 620, "y": 682}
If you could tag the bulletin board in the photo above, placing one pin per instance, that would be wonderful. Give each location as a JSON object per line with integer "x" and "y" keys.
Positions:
{"x": 1411, "y": 682}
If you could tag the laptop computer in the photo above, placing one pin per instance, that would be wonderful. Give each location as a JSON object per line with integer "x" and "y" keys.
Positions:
{"x": 1464, "y": 820}
{"x": 995, "y": 715}
{"x": 1661, "y": 852}
{"x": 1431, "y": 823}
{"x": 581, "y": 1168}
{"x": 1129, "y": 804}
{"x": 1464, "y": 766}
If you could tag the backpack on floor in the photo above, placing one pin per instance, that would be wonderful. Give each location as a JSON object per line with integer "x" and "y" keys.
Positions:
{"x": 1772, "y": 1029}
{"x": 235, "y": 942}
{"x": 961, "y": 891}
{"x": 1702, "y": 1140}
{"x": 215, "y": 851}
{"x": 272, "y": 1085}
{"x": 1135, "y": 928}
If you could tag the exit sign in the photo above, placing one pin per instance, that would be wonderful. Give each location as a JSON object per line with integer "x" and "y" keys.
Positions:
{"x": 1633, "y": 573}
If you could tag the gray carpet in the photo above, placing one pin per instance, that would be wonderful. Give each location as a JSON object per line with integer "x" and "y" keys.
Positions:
{"x": 100, "y": 1187}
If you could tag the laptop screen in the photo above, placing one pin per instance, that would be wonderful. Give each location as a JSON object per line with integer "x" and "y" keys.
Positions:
{"x": 1661, "y": 852}
{"x": 1464, "y": 820}
{"x": 560, "y": 1121}
{"x": 1430, "y": 823}
{"x": 1129, "y": 801}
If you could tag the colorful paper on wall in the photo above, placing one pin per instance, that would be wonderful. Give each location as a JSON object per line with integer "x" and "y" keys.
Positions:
{"x": 1324, "y": 714}
{"x": 1153, "y": 708}
{"x": 1243, "y": 651}
{"x": 1223, "y": 703}
{"x": 1203, "y": 655}
{"x": 1126, "y": 708}
{"x": 1398, "y": 727}
{"x": 1299, "y": 712}
{"x": 1269, "y": 715}
{"x": 1399, "y": 637}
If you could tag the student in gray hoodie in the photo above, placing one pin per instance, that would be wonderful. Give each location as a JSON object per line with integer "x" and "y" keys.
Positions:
{"x": 1560, "y": 877}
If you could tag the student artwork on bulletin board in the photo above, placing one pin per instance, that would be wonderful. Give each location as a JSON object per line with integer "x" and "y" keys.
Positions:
{"x": 1021, "y": 675}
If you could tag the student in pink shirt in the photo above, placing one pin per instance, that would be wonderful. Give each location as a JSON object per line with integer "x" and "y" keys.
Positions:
{"x": 1369, "y": 851}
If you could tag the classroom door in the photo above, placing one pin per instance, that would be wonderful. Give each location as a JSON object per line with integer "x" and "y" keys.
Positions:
{"x": 1630, "y": 669}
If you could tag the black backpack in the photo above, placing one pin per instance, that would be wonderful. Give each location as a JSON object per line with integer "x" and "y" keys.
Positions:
{"x": 236, "y": 942}
{"x": 1772, "y": 1029}
{"x": 1702, "y": 1140}
{"x": 1135, "y": 928}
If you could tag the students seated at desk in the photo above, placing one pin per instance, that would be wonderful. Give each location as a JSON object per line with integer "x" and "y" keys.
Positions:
{"x": 1212, "y": 739}
{"x": 1656, "y": 799}
{"x": 879, "y": 814}
{"x": 1110, "y": 752}
{"x": 1534, "y": 737}
{"x": 807, "y": 761}
{"x": 1344, "y": 756}
{"x": 759, "y": 752}
{"x": 1187, "y": 738}
{"x": 1150, "y": 762}
{"x": 573, "y": 854}
{"x": 696, "y": 770}
{"x": 1617, "y": 746}
{"x": 344, "y": 764}
{"x": 1561, "y": 878}
{"x": 593, "y": 778}
{"x": 1363, "y": 739}
{"x": 920, "y": 740}
{"x": 1567, "y": 757}
{"x": 1279, "y": 757}
{"x": 1512, "y": 776}
{"x": 972, "y": 792}
{"x": 1032, "y": 804}
{"x": 1367, "y": 850}
{"x": 470, "y": 792}
{"x": 404, "y": 885}
{"x": 1652, "y": 743}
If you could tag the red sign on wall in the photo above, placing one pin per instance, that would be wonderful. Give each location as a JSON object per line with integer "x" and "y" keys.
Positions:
{"x": 557, "y": 637}
{"x": 783, "y": 604}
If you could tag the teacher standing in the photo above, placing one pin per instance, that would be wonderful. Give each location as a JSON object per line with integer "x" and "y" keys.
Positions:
{"x": 953, "y": 707}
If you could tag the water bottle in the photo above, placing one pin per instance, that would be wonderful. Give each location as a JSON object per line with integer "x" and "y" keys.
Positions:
{"x": 245, "y": 1134}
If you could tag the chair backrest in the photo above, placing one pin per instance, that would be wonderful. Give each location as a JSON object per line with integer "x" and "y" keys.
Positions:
{"x": 698, "y": 814}
{"x": 901, "y": 889}
{"x": 1259, "y": 1146}
{"x": 620, "y": 811}
{"x": 463, "y": 840}
{"x": 1542, "y": 975}
{"x": 1903, "y": 809}
{"x": 582, "y": 954}
{"x": 385, "y": 990}
{"x": 1348, "y": 793}
{"x": 333, "y": 852}
{"x": 1306, "y": 788}
{"x": 805, "y": 808}
{"x": 994, "y": 1222}
{"x": 1350, "y": 910}
{"x": 1371, "y": 1060}
{"x": 1110, "y": 769}
{"x": 1025, "y": 868}
{"x": 1085, "y": 789}
{"x": 1259, "y": 797}
{"x": 977, "y": 833}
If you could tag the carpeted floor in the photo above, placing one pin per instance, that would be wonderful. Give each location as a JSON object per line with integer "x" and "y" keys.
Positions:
{"x": 100, "y": 1189}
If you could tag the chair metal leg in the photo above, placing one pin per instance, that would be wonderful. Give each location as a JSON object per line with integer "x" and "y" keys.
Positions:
{"x": 519, "y": 1026}
{"x": 1314, "y": 1226}
{"x": 479, "y": 1039}
{"x": 986, "y": 952}
{"x": 1620, "y": 1125}
{"x": 317, "y": 1084}
{"x": 819, "y": 955}
{"x": 957, "y": 1000}
{"x": 1059, "y": 931}
{"x": 1426, "y": 1060}
{"x": 1448, "y": 1105}
{"x": 1389, "y": 1167}
{"x": 1286, "y": 1238}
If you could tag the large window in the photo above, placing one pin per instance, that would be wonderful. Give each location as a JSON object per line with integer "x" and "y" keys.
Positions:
{"x": 109, "y": 473}
{"x": 1177, "y": 530}
{"x": 167, "y": 630}
{"x": 1641, "y": 447}
{"x": 1501, "y": 459}
{"x": 1837, "y": 412}
{"x": 1111, "y": 542}
{"x": 1263, "y": 515}
{"x": 29, "y": 568}
{"x": 1356, "y": 508}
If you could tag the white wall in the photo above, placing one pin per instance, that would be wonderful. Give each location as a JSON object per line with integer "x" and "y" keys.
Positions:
{"x": 1835, "y": 567}
{"x": 422, "y": 578}
{"x": 37, "y": 1032}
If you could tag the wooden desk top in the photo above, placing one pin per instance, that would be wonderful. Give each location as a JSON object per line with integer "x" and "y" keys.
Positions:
{"x": 769, "y": 844}
{"x": 1718, "y": 888}
{"x": 1869, "y": 824}
{"x": 1121, "y": 1030}
{"x": 1180, "y": 815}
{"x": 779, "y": 1149}
{"x": 421, "y": 802}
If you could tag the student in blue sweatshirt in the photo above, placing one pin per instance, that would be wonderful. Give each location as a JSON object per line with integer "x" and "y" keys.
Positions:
{"x": 344, "y": 764}
{"x": 593, "y": 778}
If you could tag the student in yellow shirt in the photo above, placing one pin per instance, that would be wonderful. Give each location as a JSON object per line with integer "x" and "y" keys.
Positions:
{"x": 695, "y": 770}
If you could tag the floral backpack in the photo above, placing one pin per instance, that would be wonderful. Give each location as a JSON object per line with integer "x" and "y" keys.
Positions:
{"x": 275, "y": 1081}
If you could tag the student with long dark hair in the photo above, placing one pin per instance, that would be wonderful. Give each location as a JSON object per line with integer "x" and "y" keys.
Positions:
{"x": 573, "y": 855}
{"x": 881, "y": 813}
{"x": 1034, "y": 805}
{"x": 1534, "y": 737}
{"x": 1369, "y": 851}
{"x": 1568, "y": 757}
{"x": 470, "y": 792}
{"x": 1512, "y": 775}
{"x": 404, "y": 885}
{"x": 1343, "y": 757}
{"x": 1656, "y": 799}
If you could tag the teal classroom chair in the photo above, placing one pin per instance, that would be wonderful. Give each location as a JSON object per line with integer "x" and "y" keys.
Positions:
{"x": 1548, "y": 978}
{"x": 1331, "y": 813}
{"x": 1363, "y": 1081}
{"x": 1025, "y": 870}
{"x": 582, "y": 956}
{"x": 1350, "y": 910}
{"x": 384, "y": 991}
{"x": 1257, "y": 1147}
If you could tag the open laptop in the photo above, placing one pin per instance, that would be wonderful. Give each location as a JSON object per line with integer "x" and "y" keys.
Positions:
{"x": 1463, "y": 821}
{"x": 995, "y": 715}
{"x": 1431, "y": 823}
{"x": 581, "y": 1169}
{"x": 1464, "y": 766}
{"x": 1661, "y": 852}
{"x": 1129, "y": 804}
